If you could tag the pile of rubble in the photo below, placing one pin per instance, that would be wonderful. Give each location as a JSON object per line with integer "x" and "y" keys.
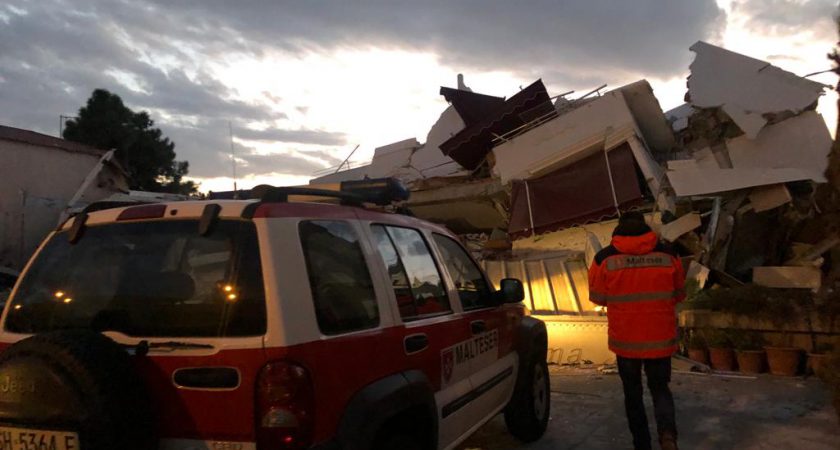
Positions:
{"x": 535, "y": 182}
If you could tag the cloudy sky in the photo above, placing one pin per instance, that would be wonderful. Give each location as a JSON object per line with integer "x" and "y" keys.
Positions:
{"x": 304, "y": 82}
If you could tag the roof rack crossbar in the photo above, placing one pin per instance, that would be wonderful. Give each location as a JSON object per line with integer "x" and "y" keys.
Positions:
{"x": 281, "y": 194}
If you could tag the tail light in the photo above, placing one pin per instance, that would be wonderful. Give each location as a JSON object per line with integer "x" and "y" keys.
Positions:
{"x": 285, "y": 403}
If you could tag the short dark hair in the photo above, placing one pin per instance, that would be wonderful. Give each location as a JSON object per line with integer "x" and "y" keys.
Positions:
{"x": 631, "y": 223}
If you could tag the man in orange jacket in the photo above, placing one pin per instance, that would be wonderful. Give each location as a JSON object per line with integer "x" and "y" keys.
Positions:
{"x": 640, "y": 281}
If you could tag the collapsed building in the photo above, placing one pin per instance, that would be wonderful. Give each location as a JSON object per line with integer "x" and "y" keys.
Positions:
{"x": 534, "y": 183}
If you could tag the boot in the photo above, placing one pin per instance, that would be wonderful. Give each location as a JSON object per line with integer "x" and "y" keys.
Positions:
{"x": 668, "y": 440}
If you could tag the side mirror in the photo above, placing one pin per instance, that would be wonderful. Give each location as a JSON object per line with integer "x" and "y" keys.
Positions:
{"x": 510, "y": 291}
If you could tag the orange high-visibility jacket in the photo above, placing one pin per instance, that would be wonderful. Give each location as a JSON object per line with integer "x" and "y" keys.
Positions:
{"x": 640, "y": 281}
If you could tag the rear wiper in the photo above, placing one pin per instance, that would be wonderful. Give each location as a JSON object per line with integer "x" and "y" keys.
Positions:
{"x": 142, "y": 348}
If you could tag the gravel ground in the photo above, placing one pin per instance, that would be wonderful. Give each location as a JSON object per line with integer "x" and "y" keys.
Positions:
{"x": 587, "y": 412}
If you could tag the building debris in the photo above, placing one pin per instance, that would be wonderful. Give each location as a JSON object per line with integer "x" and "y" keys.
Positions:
{"x": 534, "y": 183}
{"x": 788, "y": 277}
{"x": 673, "y": 230}
{"x": 769, "y": 197}
{"x": 749, "y": 91}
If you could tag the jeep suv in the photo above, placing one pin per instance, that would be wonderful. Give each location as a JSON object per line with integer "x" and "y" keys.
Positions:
{"x": 264, "y": 324}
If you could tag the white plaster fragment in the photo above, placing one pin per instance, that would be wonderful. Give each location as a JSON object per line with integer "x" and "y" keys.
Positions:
{"x": 745, "y": 87}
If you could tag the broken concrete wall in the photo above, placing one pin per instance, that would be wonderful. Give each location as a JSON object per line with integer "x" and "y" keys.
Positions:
{"x": 800, "y": 142}
{"x": 750, "y": 91}
{"x": 407, "y": 159}
{"x": 604, "y": 122}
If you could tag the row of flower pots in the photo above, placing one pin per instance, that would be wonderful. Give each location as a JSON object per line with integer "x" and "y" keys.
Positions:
{"x": 785, "y": 361}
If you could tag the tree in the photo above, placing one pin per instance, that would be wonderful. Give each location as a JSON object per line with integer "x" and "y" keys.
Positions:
{"x": 148, "y": 156}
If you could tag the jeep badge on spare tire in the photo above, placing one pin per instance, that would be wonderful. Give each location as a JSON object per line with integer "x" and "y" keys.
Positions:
{"x": 72, "y": 390}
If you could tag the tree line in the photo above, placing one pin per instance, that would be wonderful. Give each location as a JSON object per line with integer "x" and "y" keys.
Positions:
{"x": 144, "y": 152}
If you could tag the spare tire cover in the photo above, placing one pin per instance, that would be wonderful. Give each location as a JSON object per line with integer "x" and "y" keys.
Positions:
{"x": 77, "y": 381}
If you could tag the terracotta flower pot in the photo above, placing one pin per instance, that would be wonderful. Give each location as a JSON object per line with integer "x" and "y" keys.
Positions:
{"x": 751, "y": 361}
{"x": 699, "y": 355}
{"x": 783, "y": 360}
{"x": 815, "y": 362}
{"x": 722, "y": 358}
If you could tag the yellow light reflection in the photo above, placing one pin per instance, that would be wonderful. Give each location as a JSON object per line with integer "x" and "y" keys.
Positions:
{"x": 18, "y": 306}
{"x": 228, "y": 288}
{"x": 68, "y": 300}
{"x": 59, "y": 294}
{"x": 231, "y": 297}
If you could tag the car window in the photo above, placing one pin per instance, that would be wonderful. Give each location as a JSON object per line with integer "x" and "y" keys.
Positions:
{"x": 342, "y": 289}
{"x": 157, "y": 278}
{"x": 414, "y": 276}
{"x": 470, "y": 283}
{"x": 396, "y": 272}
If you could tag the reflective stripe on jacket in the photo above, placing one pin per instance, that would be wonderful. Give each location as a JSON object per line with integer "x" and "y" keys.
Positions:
{"x": 639, "y": 281}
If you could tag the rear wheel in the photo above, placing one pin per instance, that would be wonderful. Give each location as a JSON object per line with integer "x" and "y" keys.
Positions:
{"x": 76, "y": 382}
{"x": 527, "y": 414}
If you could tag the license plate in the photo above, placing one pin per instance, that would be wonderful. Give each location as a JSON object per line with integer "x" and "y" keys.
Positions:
{"x": 29, "y": 439}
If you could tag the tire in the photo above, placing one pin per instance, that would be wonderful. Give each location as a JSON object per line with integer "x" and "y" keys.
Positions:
{"x": 77, "y": 381}
{"x": 399, "y": 442}
{"x": 527, "y": 414}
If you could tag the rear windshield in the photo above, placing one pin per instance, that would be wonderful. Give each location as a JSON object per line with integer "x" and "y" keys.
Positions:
{"x": 146, "y": 279}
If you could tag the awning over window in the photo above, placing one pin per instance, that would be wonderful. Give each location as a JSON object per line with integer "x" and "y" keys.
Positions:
{"x": 576, "y": 194}
{"x": 469, "y": 147}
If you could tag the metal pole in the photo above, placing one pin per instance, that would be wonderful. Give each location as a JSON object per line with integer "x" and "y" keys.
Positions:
{"x": 530, "y": 212}
{"x": 347, "y": 158}
{"x": 233, "y": 159}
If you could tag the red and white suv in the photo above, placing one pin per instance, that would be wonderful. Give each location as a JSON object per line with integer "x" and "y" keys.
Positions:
{"x": 263, "y": 324}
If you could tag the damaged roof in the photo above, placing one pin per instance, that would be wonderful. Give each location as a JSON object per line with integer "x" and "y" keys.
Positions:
{"x": 43, "y": 140}
{"x": 472, "y": 144}
{"x": 470, "y": 106}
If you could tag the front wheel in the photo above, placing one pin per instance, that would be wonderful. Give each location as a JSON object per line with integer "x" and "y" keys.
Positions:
{"x": 527, "y": 414}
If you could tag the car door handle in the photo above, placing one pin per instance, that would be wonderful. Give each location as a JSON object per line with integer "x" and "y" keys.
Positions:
{"x": 478, "y": 326}
{"x": 207, "y": 378}
{"x": 416, "y": 343}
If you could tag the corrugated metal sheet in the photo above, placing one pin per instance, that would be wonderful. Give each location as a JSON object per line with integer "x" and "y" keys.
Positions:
{"x": 554, "y": 285}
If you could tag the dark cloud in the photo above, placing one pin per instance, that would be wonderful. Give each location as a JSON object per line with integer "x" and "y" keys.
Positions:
{"x": 301, "y": 136}
{"x": 157, "y": 55}
{"x": 55, "y": 55}
{"x": 785, "y": 17}
{"x": 647, "y": 36}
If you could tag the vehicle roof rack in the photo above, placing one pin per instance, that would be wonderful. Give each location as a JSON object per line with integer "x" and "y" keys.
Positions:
{"x": 272, "y": 194}
{"x": 378, "y": 191}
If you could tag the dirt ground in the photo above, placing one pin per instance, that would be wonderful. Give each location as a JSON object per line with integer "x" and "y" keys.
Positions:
{"x": 713, "y": 413}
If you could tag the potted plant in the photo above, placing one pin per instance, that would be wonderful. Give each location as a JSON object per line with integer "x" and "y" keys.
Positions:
{"x": 749, "y": 351}
{"x": 695, "y": 345}
{"x": 830, "y": 373}
{"x": 816, "y": 358}
{"x": 720, "y": 350}
{"x": 783, "y": 359}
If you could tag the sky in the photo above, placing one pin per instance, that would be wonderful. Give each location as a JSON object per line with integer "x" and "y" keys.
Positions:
{"x": 301, "y": 84}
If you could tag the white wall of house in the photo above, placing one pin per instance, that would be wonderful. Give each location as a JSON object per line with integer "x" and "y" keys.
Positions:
{"x": 35, "y": 185}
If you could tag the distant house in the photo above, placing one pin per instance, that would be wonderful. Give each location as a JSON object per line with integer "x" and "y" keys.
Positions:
{"x": 39, "y": 176}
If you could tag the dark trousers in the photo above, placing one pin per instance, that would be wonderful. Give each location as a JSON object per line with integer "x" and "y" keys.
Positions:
{"x": 658, "y": 373}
